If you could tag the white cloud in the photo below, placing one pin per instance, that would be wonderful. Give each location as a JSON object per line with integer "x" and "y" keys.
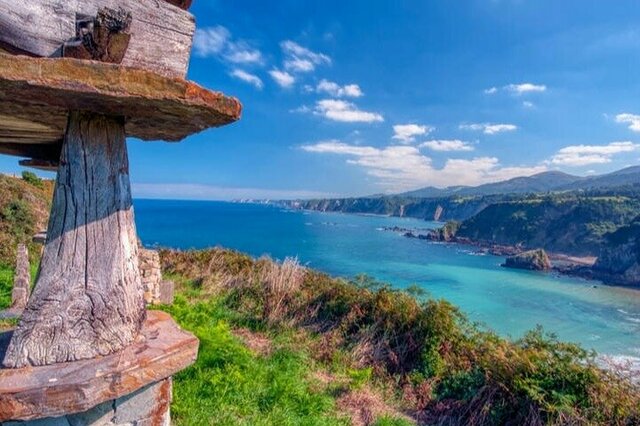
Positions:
{"x": 583, "y": 155}
{"x": 178, "y": 191}
{"x": 334, "y": 89}
{"x": 406, "y": 133}
{"x": 527, "y": 104}
{"x": 339, "y": 110}
{"x": 403, "y": 167}
{"x": 247, "y": 77}
{"x": 217, "y": 41}
{"x": 488, "y": 128}
{"x": 632, "y": 120}
{"x": 283, "y": 78}
{"x": 210, "y": 41}
{"x": 523, "y": 88}
{"x": 301, "y": 59}
{"x": 447, "y": 145}
{"x": 491, "y": 91}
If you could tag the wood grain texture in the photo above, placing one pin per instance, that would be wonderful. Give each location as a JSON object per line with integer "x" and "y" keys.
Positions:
{"x": 88, "y": 299}
{"x": 55, "y": 390}
{"x": 161, "y": 33}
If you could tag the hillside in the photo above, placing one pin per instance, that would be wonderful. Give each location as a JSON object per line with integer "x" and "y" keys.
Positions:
{"x": 620, "y": 259}
{"x": 575, "y": 225}
{"x": 24, "y": 211}
{"x": 543, "y": 182}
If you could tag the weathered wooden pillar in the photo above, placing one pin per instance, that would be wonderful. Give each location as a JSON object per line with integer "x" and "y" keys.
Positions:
{"x": 88, "y": 300}
{"x": 85, "y": 350}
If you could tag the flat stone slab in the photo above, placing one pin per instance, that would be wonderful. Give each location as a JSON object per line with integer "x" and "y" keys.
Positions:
{"x": 37, "y": 93}
{"x": 34, "y": 393}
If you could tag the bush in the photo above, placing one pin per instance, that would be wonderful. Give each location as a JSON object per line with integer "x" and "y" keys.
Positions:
{"x": 32, "y": 179}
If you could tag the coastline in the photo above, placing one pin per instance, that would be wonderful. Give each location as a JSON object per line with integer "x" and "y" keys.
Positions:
{"x": 562, "y": 263}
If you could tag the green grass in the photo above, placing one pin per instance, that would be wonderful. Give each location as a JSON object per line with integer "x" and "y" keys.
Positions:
{"x": 6, "y": 284}
{"x": 230, "y": 385}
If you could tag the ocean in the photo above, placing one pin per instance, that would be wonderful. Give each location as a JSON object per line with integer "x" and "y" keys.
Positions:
{"x": 510, "y": 302}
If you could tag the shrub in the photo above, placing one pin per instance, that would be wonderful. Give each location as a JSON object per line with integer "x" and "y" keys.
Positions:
{"x": 32, "y": 179}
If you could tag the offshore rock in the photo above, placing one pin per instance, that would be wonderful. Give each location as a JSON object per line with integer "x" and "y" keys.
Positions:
{"x": 534, "y": 260}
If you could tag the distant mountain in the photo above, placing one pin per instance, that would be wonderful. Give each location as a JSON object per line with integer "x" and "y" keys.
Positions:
{"x": 541, "y": 182}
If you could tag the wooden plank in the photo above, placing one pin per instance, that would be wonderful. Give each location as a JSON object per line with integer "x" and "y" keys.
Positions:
{"x": 161, "y": 33}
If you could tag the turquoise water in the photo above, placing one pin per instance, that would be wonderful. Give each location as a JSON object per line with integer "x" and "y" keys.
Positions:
{"x": 510, "y": 302}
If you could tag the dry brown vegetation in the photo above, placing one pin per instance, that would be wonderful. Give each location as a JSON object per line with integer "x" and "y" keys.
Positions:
{"x": 440, "y": 367}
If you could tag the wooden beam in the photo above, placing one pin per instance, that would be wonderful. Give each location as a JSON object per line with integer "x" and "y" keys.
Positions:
{"x": 161, "y": 34}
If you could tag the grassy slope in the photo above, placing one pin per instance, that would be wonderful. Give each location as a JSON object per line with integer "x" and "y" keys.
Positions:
{"x": 24, "y": 210}
{"x": 424, "y": 358}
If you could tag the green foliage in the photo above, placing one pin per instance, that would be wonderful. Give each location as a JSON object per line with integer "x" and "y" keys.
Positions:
{"x": 6, "y": 285}
{"x": 443, "y": 365}
{"x": 32, "y": 179}
{"x": 390, "y": 421}
{"x": 229, "y": 385}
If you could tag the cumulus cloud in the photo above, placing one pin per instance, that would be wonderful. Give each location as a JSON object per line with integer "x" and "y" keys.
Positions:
{"x": 347, "y": 112}
{"x": 218, "y": 42}
{"x": 583, "y": 155}
{"x": 489, "y": 128}
{"x": 445, "y": 145}
{"x": 282, "y": 78}
{"x": 247, "y": 77}
{"x": 301, "y": 59}
{"x": 406, "y": 133}
{"x": 523, "y": 88}
{"x": 403, "y": 167}
{"x": 334, "y": 89}
{"x": 632, "y": 120}
{"x": 491, "y": 91}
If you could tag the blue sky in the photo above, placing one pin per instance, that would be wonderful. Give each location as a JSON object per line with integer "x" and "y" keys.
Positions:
{"x": 360, "y": 97}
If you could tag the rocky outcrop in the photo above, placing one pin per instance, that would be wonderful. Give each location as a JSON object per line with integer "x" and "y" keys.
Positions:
{"x": 619, "y": 261}
{"x": 534, "y": 260}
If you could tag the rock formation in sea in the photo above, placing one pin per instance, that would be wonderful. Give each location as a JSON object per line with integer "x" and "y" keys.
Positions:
{"x": 535, "y": 260}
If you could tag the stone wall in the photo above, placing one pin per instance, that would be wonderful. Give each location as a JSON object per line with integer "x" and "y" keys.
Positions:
{"x": 156, "y": 290}
{"x": 22, "y": 279}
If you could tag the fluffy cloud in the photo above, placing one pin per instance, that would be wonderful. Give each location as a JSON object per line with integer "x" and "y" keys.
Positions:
{"x": 217, "y": 41}
{"x": 488, "y": 128}
{"x": 583, "y": 155}
{"x": 447, "y": 145}
{"x": 334, "y": 89}
{"x": 632, "y": 120}
{"x": 283, "y": 78}
{"x": 347, "y": 112}
{"x": 523, "y": 88}
{"x": 406, "y": 133}
{"x": 527, "y": 104}
{"x": 247, "y": 78}
{"x": 518, "y": 89}
{"x": 301, "y": 59}
{"x": 403, "y": 167}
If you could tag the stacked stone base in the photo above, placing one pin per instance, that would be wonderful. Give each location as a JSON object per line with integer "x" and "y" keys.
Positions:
{"x": 131, "y": 388}
{"x": 148, "y": 406}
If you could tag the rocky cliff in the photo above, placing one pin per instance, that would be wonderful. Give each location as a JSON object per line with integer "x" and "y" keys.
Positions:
{"x": 620, "y": 258}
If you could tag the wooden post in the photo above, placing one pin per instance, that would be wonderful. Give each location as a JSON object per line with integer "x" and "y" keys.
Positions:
{"x": 88, "y": 300}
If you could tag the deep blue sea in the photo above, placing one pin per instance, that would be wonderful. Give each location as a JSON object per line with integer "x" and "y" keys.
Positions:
{"x": 510, "y": 302}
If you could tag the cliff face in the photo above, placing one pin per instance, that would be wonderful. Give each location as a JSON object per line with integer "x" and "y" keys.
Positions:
{"x": 575, "y": 226}
{"x": 620, "y": 259}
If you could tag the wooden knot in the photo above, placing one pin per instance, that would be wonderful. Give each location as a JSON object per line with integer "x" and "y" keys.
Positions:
{"x": 102, "y": 38}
